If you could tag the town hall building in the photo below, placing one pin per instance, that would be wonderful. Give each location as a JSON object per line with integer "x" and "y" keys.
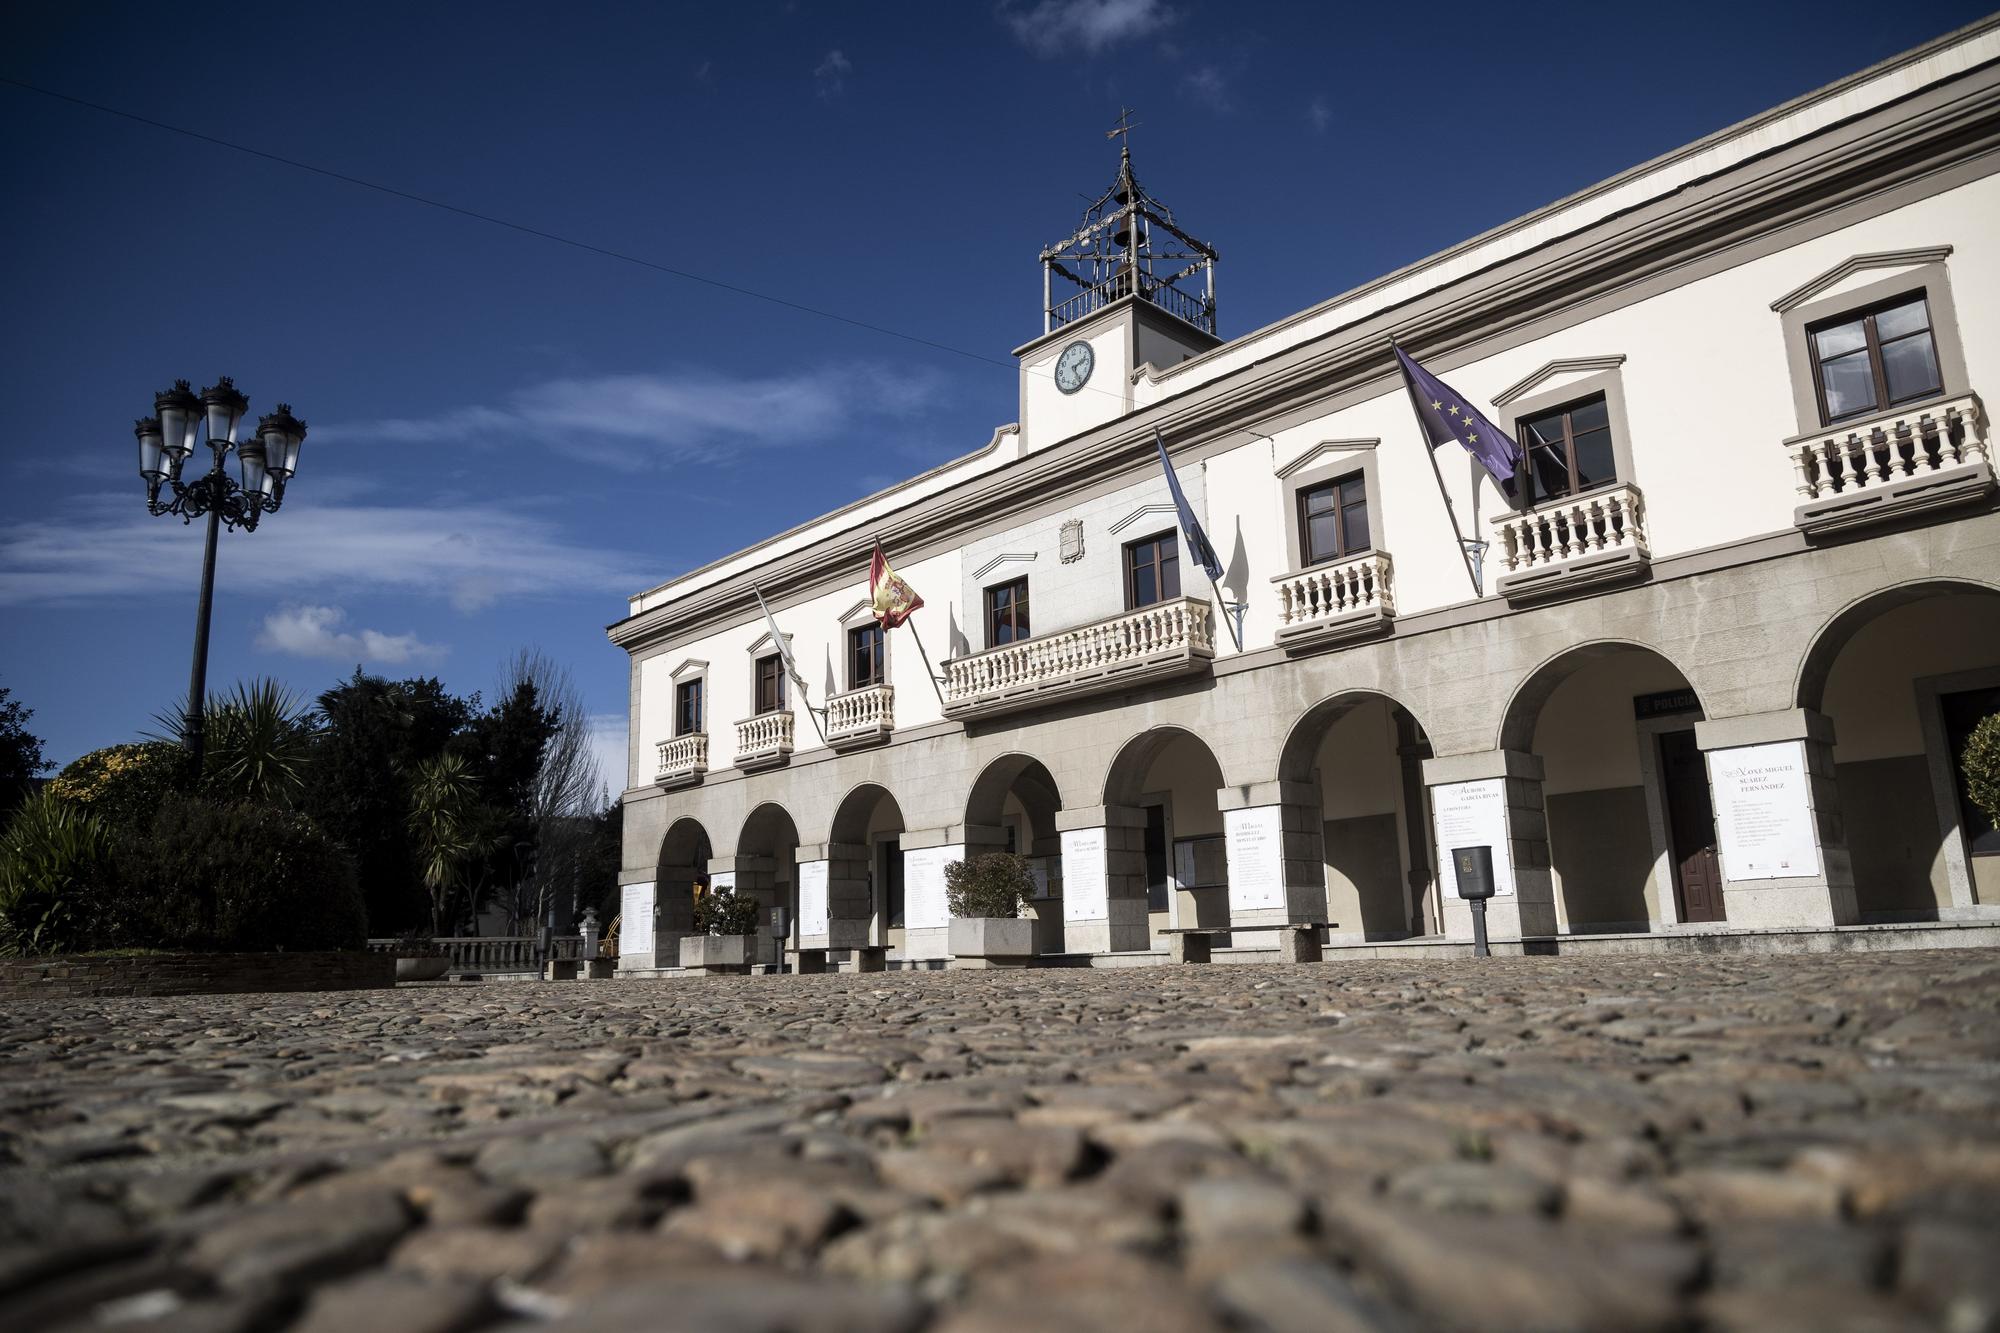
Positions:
{"x": 1702, "y": 678}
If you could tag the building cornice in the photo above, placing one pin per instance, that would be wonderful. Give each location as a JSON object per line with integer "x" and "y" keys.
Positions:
{"x": 1948, "y": 124}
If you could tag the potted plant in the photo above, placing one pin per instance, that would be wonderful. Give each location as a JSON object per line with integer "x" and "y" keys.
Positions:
{"x": 985, "y": 895}
{"x": 726, "y": 922}
{"x": 419, "y": 957}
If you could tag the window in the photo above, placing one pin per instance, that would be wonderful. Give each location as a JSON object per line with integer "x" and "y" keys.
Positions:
{"x": 1152, "y": 571}
{"x": 1007, "y": 613}
{"x": 687, "y": 707}
{"x": 1156, "y": 858}
{"x": 865, "y": 661}
{"x": 890, "y": 853}
{"x": 770, "y": 684}
{"x": 1872, "y": 359}
{"x": 1569, "y": 449}
{"x": 1333, "y": 520}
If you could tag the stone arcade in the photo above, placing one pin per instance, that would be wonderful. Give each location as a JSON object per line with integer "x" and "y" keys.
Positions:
{"x": 1712, "y": 684}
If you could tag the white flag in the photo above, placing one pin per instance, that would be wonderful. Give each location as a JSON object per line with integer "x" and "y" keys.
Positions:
{"x": 784, "y": 645}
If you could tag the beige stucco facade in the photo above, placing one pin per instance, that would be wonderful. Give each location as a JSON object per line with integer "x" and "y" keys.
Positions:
{"x": 1728, "y": 598}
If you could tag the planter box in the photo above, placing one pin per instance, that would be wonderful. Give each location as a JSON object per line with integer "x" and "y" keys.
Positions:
{"x": 992, "y": 941}
{"x": 422, "y": 969}
{"x": 718, "y": 953}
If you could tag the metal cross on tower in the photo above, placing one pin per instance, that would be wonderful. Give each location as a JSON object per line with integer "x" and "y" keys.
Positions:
{"x": 1125, "y": 127}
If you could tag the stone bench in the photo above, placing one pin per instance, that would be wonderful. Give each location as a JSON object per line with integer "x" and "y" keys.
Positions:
{"x": 1298, "y": 941}
{"x": 863, "y": 958}
{"x": 579, "y": 969}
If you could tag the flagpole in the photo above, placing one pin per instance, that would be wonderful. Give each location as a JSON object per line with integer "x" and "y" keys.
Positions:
{"x": 1430, "y": 451}
{"x": 929, "y": 670}
{"x": 1235, "y": 634}
{"x": 785, "y": 655}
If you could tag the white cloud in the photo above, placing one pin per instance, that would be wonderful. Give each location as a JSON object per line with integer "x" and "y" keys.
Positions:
{"x": 471, "y": 553}
{"x": 1319, "y": 114}
{"x": 635, "y": 420}
{"x": 315, "y": 631}
{"x": 1207, "y": 85}
{"x": 1063, "y": 27}
{"x": 830, "y": 75}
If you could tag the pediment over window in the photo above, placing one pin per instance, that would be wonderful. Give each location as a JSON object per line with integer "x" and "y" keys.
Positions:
{"x": 1141, "y": 512}
{"x": 766, "y": 645}
{"x": 1324, "y": 450}
{"x": 1001, "y": 559}
{"x": 694, "y": 666}
{"x": 1549, "y": 374}
{"x": 861, "y": 613}
{"x": 1847, "y": 268}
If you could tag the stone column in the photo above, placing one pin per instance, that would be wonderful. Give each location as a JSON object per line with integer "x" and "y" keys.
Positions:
{"x": 1494, "y": 798}
{"x": 754, "y": 877}
{"x": 926, "y": 852}
{"x": 1274, "y": 840}
{"x": 835, "y": 911}
{"x": 636, "y": 948}
{"x": 1104, "y": 879}
{"x": 673, "y": 912}
{"x": 1783, "y": 845}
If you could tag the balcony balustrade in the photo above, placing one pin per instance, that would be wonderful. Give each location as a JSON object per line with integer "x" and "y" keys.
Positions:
{"x": 1892, "y": 465}
{"x": 764, "y": 741}
{"x": 683, "y": 760}
{"x": 1166, "y": 639}
{"x": 1329, "y": 604}
{"x": 1574, "y": 542}
{"x": 860, "y": 716}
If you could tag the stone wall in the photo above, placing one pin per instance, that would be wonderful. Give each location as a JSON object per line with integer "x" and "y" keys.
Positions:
{"x": 195, "y": 974}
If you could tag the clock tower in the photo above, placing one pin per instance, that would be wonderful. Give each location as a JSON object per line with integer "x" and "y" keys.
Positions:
{"x": 1127, "y": 289}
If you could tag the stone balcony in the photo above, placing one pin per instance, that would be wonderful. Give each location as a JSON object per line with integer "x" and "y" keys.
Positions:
{"x": 1566, "y": 545}
{"x": 1336, "y": 603}
{"x": 1891, "y": 466}
{"x": 683, "y": 760}
{"x": 860, "y": 717}
{"x": 764, "y": 741}
{"x": 1172, "y": 638}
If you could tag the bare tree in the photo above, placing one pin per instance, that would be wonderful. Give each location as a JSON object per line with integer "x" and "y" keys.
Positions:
{"x": 568, "y": 790}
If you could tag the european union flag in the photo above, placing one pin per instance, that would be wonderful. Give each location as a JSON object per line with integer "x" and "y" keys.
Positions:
{"x": 1197, "y": 540}
{"x": 1448, "y": 418}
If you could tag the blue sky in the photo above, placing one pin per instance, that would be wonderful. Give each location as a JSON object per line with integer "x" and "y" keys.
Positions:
{"x": 509, "y": 435}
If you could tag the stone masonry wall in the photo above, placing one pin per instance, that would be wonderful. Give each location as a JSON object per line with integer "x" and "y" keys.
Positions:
{"x": 195, "y": 974}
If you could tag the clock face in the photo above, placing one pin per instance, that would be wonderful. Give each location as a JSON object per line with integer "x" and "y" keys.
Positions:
{"x": 1073, "y": 367}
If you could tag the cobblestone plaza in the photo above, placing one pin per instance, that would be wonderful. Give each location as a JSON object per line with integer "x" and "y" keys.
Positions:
{"x": 1548, "y": 1143}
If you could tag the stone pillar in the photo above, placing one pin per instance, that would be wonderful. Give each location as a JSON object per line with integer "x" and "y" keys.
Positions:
{"x": 1104, "y": 879}
{"x": 1783, "y": 845}
{"x": 834, "y": 907}
{"x": 926, "y": 918}
{"x": 1274, "y": 840}
{"x": 636, "y": 947}
{"x": 673, "y": 912}
{"x": 1494, "y": 798}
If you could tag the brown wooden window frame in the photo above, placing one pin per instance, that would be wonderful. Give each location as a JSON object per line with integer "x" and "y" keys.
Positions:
{"x": 1567, "y": 412}
{"x": 770, "y": 684}
{"x": 1878, "y": 370}
{"x": 873, "y": 668}
{"x": 689, "y": 721}
{"x": 1166, "y": 557}
{"x": 1309, "y": 555}
{"x": 1016, "y": 612}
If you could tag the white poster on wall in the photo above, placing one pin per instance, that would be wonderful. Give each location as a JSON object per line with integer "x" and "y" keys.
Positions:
{"x": 1474, "y": 814}
{"x": 812, "y": 899}
{"x": 1763, "y": 811}
{"x": 1254, "y": 843}
{"x": 1086, "y": 894}
{"x": 635, "y": 918}
{"x": 924, "y": 906}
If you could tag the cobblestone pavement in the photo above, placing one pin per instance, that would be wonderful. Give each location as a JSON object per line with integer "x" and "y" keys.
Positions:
{"x": 1603, "y": 1144}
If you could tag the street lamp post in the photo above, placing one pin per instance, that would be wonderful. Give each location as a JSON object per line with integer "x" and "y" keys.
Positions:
{"x": 266, "y": 461}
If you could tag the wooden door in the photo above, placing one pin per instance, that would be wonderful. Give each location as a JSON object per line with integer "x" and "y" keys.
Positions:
{"x": 1690, "y": 828}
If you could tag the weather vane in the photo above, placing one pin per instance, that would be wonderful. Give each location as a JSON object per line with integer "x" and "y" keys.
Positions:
{"x": 1125, "y": 127}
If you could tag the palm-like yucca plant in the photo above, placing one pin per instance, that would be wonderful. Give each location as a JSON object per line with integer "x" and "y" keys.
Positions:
{"x": 444, "y": 798}
{"x": 53, "y": 855}
{"x": 257, "y": 742}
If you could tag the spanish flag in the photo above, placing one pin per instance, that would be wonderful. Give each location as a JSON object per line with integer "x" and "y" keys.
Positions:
{"x": 895, "y": 601}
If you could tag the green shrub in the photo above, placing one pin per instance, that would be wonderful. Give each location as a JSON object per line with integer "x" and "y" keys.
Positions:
{"x": 994, "y": 884}
{"x": 1981, "y": 765}
{"x": 258, "y": 742}
{"x": 237, "y": 877}
{"x": 727, "y": 912}
{"x": 123, "y": 785}
{"x": 55, "y": 862}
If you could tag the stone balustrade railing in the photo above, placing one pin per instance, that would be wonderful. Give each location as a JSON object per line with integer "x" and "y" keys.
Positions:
{"x": 1610, "y": 519}
{"x": 1896, "y": 446}
{"x": 764, "y": 739}
{"x": 1363, "y": 583}
{"x": 683, "y": 758}
{"x": 861, "y": 714}
{"x": 1155, "y": 639}
{"x": 487, "y": 955}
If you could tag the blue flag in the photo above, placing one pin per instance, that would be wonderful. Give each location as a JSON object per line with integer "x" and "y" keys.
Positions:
{"x": 1448, "y": 418}
{"x": 1197, "y": 540}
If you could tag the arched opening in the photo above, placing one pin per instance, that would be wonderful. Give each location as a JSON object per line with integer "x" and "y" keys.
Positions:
{"x": 766, "y": 868}
{"x": 865, "y": 871}
{"x": 1012, "y": 808}
{"x": 1904, "y": 676}
{"x": 1171, "y": 777}
{"x": 1362, "y": 754}
{"x": 1631, "y": 826}
{"x": 684, "y": 857}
